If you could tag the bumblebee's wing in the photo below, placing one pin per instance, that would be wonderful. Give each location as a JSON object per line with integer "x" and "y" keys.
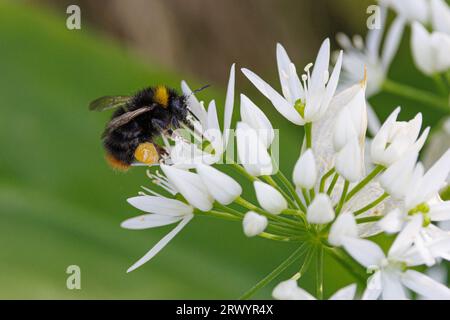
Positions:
{"x": 109, "y": 102}
{"x": 125, "y": 118}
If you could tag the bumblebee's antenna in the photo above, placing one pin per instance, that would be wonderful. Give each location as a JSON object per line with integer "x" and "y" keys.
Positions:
{"x": 194, "y": 92}
{"x": 200, "y": 89}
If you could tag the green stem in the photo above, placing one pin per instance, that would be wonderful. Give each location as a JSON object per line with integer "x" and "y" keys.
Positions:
{"x": 250, "y": 206}
{"x": 291, "y": 189}
{"x": 343, "y": 196}
{"x": 372, "y": 204}
{"x": 276, "y": 237}
{"x": 440, "y": 84}
{"x": 416, "y": 94}
{"x": 306, "y": 263}
{"x": 332, "y": 184}
{"x": 306, "y": 196}
{"x": 242, "y": 171}
{"x": 319, "y": 273}
{"x": 324, "y": 180}
{"x": 308, "y": 134}
{"x": 369, "y": 219}
{"x": 365, "y": 181}
{"x": 272, "y": 182}
{"x": 297, "y": 254}
{"x": 217, "y": 214}
{"x": 228, "y": 209}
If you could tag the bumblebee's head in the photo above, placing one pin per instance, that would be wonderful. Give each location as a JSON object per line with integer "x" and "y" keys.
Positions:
{"x": 179, "y": 107}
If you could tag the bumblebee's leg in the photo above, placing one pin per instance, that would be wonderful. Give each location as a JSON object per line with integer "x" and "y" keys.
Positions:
{"x": 147, "y": 153}
{"x": 161, "y": 150}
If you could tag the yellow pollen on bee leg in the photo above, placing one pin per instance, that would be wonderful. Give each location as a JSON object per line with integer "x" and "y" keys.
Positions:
{"x": 146, "y": 153}
{"x": 161, "y": 96}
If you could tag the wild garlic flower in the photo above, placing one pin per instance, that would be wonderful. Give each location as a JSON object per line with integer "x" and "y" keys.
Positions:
{"x": 336, "y": 197}
{"x": 186, "y": 152}
{"x": 304, "y": 100}
{"x": 430, "y": 50}
{"x": 392, "y": 273}
{"x": 412, "y": 10}
{"x": 361, "y": 57}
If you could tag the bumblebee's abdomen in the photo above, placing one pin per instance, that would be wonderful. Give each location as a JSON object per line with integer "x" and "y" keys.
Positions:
{"x": 122, "y": 142}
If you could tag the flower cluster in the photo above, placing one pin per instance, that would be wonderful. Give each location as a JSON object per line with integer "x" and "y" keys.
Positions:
{"x": 341, "y": 192}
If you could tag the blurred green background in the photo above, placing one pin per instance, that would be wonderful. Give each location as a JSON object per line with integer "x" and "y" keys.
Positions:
{"x": 61, "y": 205}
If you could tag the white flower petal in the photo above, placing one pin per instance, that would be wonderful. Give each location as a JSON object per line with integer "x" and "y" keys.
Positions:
{"x": 406, "y": 238}
{"x": 254, "y": 224}
{"x": 440, "y": 211}
{"x": 256, "y": 119}
{"x": 252, "y": 153}
{"x": 195, "y": 106}
{"x": 221, "y": 186}
{"x": 290, "y": 82}
{"x": 320, "y": 211}
{"x": 229, "y": 106}
{"x": 440, "y": 16}
{"x": 349, "y": 162}
{"x": 160, "y": 205}
{"x": 422, "y": 49}
{"x": 393, "y": 221}
{"x": 374, "y": 287}
{"x": 289, "y": 290}
{"x": 344, "y": 226}
{"x": 161, "y": 244}
{"x": 425, "y": 286}
{"x": 366, "y": 252}
{"x": 269, "y": 198}
{"x": 190, "y": 186}
{"x": 346, "y": 293}
{"x": 280, "y": 103}
{"x": 392, "y": 287}
{"x": 392, "y": 41}
{"x": 321, "y": 65}
{"x": 305, "y": 171}
{"x": 147, "y": 221}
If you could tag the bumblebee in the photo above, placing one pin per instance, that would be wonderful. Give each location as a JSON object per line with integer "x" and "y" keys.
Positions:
{"x": 137, "y": 121}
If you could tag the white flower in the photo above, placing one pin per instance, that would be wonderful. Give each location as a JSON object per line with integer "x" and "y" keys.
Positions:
{"x": 289, "y": 290}
{"x": 412, "y": 10}
{"x": 307, "y": 103}
{"x": 360, "y": 57}
{"x": 190, "y": 186}
{"x": 396, "y": 138}
{"x": 440, "y": 16}
{"x": 396, "y": 180}
{"x": 430, "y": 50}
{"x": 305, "y": 171}
{"x": 221, "y": 186}
{"x": 320, "y": 211}
{"x": 269, "y": 198}
{"x": 255, "y": 118}
{"x": 418, "y": 191}
{"x": 252, "y": 152}
{"x": 163, "y": 211}
{"x": 254, "y": 224}
{"x": 349, "y": 161}
{"x": 344, "y": 226}
{"x": 207, "y": 126}
{"x": 351, "y": 120}
{"x": 391, "y": 272}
